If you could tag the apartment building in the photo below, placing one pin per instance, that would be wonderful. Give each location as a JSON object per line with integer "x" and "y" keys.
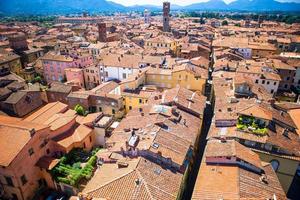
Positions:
{"x": 120, "y": 66}
{"x": 232, "y": 171}
{"x": 185, "y": 75}
{"x": 54, "y": 65}
{"x": 92, "y": 77}
{"x": 39, "y": 139}
{"x": 272, "y": 134}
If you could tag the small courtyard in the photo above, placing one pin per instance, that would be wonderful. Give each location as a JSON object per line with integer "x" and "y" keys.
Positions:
{"x": 252, "y": 125}
{"x": 76, "y": 167}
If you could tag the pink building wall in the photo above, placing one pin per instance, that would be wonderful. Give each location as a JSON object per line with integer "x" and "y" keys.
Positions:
{"x": 75, "y": 76}
{"x": 54, "y": 70}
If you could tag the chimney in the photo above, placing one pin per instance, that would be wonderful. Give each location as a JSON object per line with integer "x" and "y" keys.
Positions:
{"x": 281, "y": 113}
{"x": 137, "y": 182}
{"x": 32, "y": 132}
{"x": 102, "y": 37}
{"x": 263, "y": 178}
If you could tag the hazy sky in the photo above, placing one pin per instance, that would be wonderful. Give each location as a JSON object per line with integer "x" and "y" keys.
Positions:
{"x": 178, "y": 2}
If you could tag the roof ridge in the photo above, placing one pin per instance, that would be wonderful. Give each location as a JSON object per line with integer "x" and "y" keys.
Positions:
{"x": 115, "y": 179}
{"x": 51, "y": 106}
{"x": 247, "y": 107}
{"x": 160, "y": 189}
{"x": 171, "y": 132}
{"x": 144, "y": 182}
{"x": 239, "y": 182}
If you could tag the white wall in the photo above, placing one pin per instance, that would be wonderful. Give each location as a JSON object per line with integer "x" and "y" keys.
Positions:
{"x": 269, "y": 85}
{"x": 297, "y": 77}
{"x": 247, "y": 53}
{"x": 117, "y": 72}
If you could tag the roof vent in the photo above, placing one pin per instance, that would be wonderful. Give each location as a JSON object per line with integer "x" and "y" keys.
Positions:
{"x": 263, "y": 179}
{"x": 157, "y": 171}
{"x": 138, "y": 182}
{"x": 32, "y": 132}
{"x": 281, "y": 113}
{"x": 155, "y": 145}
{"x": 285, "y": 133}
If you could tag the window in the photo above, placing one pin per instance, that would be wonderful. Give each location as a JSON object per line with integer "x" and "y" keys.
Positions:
{"x": 130, "y": 107}
{"x": 113, "y": 111}
{"x": 9, "y": 181}
{"x": 31, "y": 151}
{"x": 100, "y": 109}
{"x": 140, "y": 101}
{"x": 256, "y": 81}
{"x": 275, "y": 83}
{"x": 23, "y": 179}
{"x": 90, "y": 138}
{"x": 124, "y": 75}
{"x": 275, "y": 164}
{"x": 263, "y": 82}
{"x": 268, "y": 82}
{"x": 272, "y": 91}
{"x": 287, "y": 78}
{"x": 48, "y": 151}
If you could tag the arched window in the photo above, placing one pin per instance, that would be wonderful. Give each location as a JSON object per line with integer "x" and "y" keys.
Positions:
{"x": 275, "y": 165}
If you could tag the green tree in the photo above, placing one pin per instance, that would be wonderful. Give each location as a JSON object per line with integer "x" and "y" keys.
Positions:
{"x": 79, "y": 110}
{"x": 37, "y": 79}
{"x": 225, "y": 23}
{"x": 202, "y": 21}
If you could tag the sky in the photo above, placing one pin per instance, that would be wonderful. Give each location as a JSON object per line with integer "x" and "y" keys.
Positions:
{"x": 178, "y": 2}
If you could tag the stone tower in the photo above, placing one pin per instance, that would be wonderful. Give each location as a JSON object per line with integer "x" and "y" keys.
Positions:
{"x": 147, "y": 16}
{"x": 102, "y": 32}
{"x": 18, "y": 42}
{"x": 166, "y": 16}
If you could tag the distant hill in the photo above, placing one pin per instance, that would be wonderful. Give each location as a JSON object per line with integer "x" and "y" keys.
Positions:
{"x": 57, "y": 6}
{"x": 210, "y": 5}
{"x": 78, "y": 6}
{"x": 264, "y": 5}
{"x": 245, "y": 5}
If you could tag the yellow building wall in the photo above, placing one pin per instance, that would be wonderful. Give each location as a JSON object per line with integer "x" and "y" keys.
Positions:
{"x": 160, "y": 80}
{"x": 15, "y": 66}
{"x": 181, "y": 78}
{"x": 188, "y": 81}
{"x": 27, "y": 76}
{"x": 171, "y": 45}
{"x": 286, "y": 171}
{"x": 132, "y": 102}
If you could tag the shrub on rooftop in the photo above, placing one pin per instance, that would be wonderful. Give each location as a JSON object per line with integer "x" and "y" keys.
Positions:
{"x": 69, "y": 170}
{"x": 79, "y": 110}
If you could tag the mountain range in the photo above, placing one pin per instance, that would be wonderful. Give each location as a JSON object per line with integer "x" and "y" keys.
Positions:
{"x": 11, "y": 7}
